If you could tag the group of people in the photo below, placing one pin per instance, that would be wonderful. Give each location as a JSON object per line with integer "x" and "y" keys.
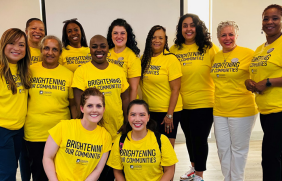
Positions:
{"x": 113, "y": 134}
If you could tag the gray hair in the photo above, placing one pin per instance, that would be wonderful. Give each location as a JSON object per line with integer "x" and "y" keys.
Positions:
{"x": 51, "y": 37}
{"x": 224, "y": 24}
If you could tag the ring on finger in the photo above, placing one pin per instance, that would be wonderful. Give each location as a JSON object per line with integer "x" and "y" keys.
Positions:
{"x": 167, "y": 126}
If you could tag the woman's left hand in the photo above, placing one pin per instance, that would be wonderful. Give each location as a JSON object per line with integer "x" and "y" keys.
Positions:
{"x": 261, "y": 86}
{"x": 168, "y": 124}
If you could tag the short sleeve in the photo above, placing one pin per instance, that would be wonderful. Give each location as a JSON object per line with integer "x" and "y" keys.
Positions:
{"x": 107, "y": 141}
{"x": 134, "y": 70}
{"x": 248, "y": 59}
{"x": 70, "y": 88}
{"x": 56, "y": 133}
{"x": 124, "y": 82}
{"x": 212, "y": 51}
{"x": 174, "y": 68}
{"x": 78, "y": 79}
{"x": 114, "y": 160}
{"x": 168, "y": 154}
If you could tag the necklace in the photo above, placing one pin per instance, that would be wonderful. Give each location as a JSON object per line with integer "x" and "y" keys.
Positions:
{"x": 227, "y": 56}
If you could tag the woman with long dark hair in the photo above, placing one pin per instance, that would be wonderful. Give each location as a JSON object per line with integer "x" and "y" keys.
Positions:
{"x": 160, "y": 82}
{"x": 76, "y": 51}
{"x": 156, "y": 157}
{"x": 195, "y": 51}
{"x": 14, "y": 84}
{"x": 124, "y": 53}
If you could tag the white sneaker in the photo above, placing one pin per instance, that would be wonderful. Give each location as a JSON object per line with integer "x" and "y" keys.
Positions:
{"x": 189, "y": 175}
{"x": 198, "y": 178}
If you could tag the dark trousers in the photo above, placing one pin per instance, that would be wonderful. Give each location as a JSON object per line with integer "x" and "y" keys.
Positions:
{"x": 10, "y": 146}
{"x": 271, "y": 146}
{"x": 24, "y": 163}
{"x": 196, "y": 125}
{"x": 35, "y": 155}
{"x": 107, "y": 173}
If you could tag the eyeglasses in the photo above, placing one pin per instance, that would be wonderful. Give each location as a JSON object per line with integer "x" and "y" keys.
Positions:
{"x": 74, "y": 19}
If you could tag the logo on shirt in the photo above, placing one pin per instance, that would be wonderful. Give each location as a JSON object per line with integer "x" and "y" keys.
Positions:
{"x": 46, "y": 93}
{"x": 82, "y": 162}
{"x": 187, "y": 63}
{"x": 220, "y": 75}
{"x": 270, "y": 50}
{"x": 136, "y": 167}
{"x": 254, "y": 71}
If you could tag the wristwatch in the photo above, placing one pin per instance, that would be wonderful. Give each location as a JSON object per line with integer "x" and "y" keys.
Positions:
{"x": 268, "y": 84}
{"x": 169, "y": 116}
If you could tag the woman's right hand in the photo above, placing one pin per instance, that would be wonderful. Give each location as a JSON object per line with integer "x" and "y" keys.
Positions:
{"x": 250, "y": 85}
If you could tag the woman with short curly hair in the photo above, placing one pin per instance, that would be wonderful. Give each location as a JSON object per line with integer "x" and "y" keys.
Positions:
{"x": 124, "y": 53}
{"x": 195, "y": 52}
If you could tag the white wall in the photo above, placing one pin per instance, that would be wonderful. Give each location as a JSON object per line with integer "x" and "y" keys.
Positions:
{"x": 15, "y": 13}
{"x": 96, "y": 16}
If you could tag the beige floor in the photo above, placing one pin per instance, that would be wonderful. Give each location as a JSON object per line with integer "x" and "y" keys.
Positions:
{"x": 253, "y": 168}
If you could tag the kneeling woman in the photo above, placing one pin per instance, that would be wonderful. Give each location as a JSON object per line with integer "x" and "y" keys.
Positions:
{"x": 77, "y": 149}
{"x": 155, "y": 155}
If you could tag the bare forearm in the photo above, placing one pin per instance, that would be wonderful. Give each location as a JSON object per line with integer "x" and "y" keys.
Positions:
{"x": 173, "y": 101}
{"x": 168, "y": 173}
{"x": 276, "y": 82}
{"x": 118, "y": 175}
{"x": 49, "y": 168}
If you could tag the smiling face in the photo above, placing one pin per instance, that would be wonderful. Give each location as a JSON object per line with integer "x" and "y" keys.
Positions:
{"x": 119, "y": 36}
{"x": 50, "y": 53}
{"x": 158, "y": 42}
{"x": 74, "y": 35}
{"x": 138, "y": 117}
{"x": 227, "y": 39}
{"x": 15, "y": 51}
{"x": 272, "y": 22}
{"x": 188, "y": 31}
{"x": 93, "y": 109}
{"x": 99, "y": 50}
{"x": 35, "y": 32}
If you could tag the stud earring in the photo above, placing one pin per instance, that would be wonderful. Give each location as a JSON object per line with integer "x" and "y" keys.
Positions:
{"x": 261, "y": 31}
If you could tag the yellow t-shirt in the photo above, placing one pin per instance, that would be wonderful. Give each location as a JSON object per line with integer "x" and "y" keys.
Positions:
{"x": 48, "y": 100}
{"x": 142, "y": 159}
{"x": 197, "y": 88}
{"x": 126, "y": 59}
{"x": 111, "y": 82}
{"x": 232, "y": 99}
{"x": 74, "y": 57}
{"x": 155, "y": 84}
{"x": 267, "y": 63}
{"x": 79, "y": 150}
{"x": 13, "y": 107}
{"x": 35, "y": 55}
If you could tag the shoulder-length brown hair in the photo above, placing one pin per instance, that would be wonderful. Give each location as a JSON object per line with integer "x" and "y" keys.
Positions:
{"x": 9, "y": 36}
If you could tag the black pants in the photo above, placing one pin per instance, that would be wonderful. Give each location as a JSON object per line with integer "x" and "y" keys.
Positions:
{"x": 196, "y": 125}
{"x": 108, "y": 173}
{"x": 271, "y": 146}
{"x": 35, "y": 155}
{"x": 24, "y": 163}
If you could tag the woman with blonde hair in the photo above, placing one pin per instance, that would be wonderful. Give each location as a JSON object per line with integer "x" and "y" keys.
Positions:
{"x": 14, "y": 85}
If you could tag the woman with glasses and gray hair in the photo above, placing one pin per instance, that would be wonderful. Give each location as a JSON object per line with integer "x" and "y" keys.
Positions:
{"x": 233, "y": 122}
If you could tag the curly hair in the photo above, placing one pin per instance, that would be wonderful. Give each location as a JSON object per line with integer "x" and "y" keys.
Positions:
{"x": 8, "y": 37}
{"x": 151, "y": 125}
{"x": 278, "y": 7}
{"x": 85, "y": 95}
{"x": 65, "y": 38}
{"x": 131, "y": 42}
{"x": 202, "y": 39}
{"x": 148, "y": 53}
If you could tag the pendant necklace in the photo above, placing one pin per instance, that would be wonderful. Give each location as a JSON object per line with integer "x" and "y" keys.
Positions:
{"x": 226, "y": 57}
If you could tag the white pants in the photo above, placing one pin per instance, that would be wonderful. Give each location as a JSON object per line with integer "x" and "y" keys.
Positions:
{"x": 232, "y": 138}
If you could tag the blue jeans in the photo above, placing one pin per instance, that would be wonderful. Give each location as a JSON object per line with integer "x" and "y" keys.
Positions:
{"x": 10, "y": 147}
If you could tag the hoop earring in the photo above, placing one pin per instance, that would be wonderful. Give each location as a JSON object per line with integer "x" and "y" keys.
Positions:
{"x": 108, "y": 54}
